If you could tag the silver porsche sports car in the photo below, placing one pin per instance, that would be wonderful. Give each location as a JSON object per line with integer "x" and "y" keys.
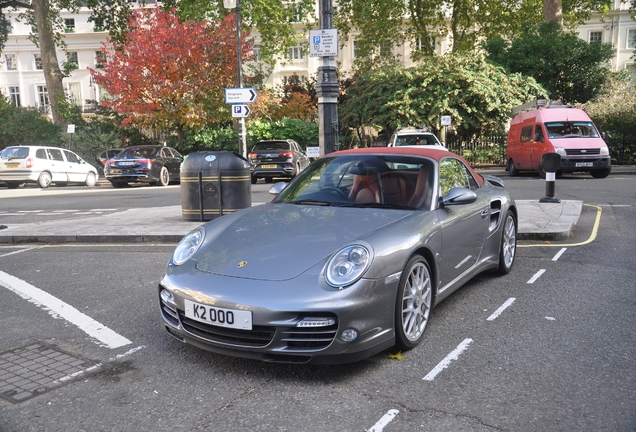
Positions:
{"x": 347, "y": 261}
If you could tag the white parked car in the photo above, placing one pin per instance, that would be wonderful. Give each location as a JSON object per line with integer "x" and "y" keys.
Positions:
{"x": 414, "y": 137}
{"x": 44, "y": 165}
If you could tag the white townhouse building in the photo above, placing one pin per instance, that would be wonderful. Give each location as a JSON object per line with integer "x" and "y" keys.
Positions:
{"x": 22, "y": 79}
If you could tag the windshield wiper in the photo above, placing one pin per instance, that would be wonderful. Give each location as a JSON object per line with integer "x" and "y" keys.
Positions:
{"x": 379, "y": 205}
{"x": 310, "y": 202}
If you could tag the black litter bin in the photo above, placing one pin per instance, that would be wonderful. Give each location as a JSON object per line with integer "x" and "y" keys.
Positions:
{"x": 214, "y": 184}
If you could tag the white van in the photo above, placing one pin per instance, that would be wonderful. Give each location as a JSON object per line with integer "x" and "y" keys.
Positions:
{"x": 44, "y": 165}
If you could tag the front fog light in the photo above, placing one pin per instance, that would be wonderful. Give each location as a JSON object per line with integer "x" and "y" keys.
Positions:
{"x": 316, "y": 322}
{"x": 348, "y": 335}
{"x": 167, "y": 296}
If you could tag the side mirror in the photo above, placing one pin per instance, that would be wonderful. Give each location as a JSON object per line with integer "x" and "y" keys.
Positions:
{"x": 458, "y": 196}
{"x": 277, "y": 188}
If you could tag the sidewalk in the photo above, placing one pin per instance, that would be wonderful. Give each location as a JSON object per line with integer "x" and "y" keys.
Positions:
{"x": 537, "y": 221}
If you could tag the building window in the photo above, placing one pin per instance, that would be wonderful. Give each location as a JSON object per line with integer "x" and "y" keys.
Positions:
{"x": 75, "y": 93}
{"x": 72, "y": 62}
{"x": 69, "y": 25}
{"x": 631, "y": 38}
{"x": 296, "y": 53}
{"x": 100, "y": 59}
{"x": 596, "y": 36}
{"x": 385, "y": 48}
{"x": 256, "y": 51}
{"x": 14, "y": 95}
{"x": 355, "y": 49}
{"x": 8, "y": 25}
{"x": 631, "y": 68}
{"x": 11, "y": 62}
{"x": 37, "y": 58}
{"x": 43, "y": 99}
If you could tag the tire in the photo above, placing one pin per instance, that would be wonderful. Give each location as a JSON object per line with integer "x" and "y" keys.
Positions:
{"x": 514, "y": 172}
{"x": 414, "y": 303}
{"x": 44, "y": 180}
{"x": 601, "y": 173}
{"x": 254, "y": 180}
{"x": 164, "y": 177}
{"x": 269, "y": 179}
{"x": 118, "y": 184}
{"x": 296, "y": 171}
{"x": 508, "y": 245}
{"x": 91, "y": 180}
{"x": 541, "y": 172}
{"x": 12, "y": 185}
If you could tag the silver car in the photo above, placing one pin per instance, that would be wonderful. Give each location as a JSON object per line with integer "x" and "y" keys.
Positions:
{"x": 347, "y": 261}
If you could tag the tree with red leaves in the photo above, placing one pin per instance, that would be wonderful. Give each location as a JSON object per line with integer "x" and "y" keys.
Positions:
{"x": 169, "y": 75}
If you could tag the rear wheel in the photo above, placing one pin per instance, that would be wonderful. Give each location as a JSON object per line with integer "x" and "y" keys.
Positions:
{"x": 12, "y": 185}
{"x": 269, "y": 179}
{"x": 118, "y": 184}
{"x": 44, "y": 180}
{"x": 91, "y": 179}
{"x": 254, "y": 180}
{"x": 414, "y": 303}
{"x": 164, "y": 177}
{"x": 541, "y": 172}
{"x": 511, "y": 169}
{"x": 508, "y": 248}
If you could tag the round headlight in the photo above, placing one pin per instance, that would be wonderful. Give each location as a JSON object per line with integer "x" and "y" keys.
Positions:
{"x": 188, "y": 246}
{"x": 347, "y": 265}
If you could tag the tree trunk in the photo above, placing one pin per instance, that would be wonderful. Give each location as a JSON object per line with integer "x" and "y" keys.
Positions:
{"x": 52, "y": 73}
{"x": 553, "y": 11}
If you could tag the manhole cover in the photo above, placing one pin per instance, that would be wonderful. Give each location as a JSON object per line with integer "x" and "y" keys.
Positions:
{"x": 35, "y": 369}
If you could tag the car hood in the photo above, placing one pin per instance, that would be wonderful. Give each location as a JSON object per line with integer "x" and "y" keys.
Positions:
{"x": 281, "y": 241}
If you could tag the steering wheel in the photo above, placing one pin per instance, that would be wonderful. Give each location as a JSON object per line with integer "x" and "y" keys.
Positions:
{"x": 338, "y": 191}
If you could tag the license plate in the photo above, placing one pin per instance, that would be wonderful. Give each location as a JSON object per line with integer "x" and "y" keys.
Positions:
{"x": 231, "y": 318}
{"x": 12, "y": 165}
{"x": 269, "y": 166}
{"x": 125, "y": 163}
{"x": 584, "y": 164}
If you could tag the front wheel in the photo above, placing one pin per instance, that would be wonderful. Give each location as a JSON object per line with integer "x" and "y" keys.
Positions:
{"x": 601, "y": 173}
{"x": 44, "y": 180}
{"x": 414, "y": 303}
{"x": 508, "y": 247}
{"x": 164, "y": 177}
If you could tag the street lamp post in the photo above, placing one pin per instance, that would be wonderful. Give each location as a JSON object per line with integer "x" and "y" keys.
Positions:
{"x": 241, "y": 122}
{"x": 327, "y": 90}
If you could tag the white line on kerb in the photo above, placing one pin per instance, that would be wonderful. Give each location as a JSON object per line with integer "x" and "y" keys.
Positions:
{"x": 385, "y": 420}
{"x": 501, "y": 309}
{"x": 558, "y": 255}
{"x": 57, "y": 308}
{"x": 536, "y": 276}
{"x": 454, "y": 355}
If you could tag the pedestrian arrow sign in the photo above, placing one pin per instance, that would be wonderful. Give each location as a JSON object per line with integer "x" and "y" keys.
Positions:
{"x": 240, "y": 111}
{"x": 240, "y": 95}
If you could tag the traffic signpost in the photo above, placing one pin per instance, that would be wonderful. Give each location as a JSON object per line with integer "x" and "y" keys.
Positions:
{"x": 240, "y": 95}
{"x": 240, "y": 111}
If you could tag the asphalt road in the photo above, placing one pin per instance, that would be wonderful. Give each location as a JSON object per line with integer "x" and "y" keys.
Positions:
{"x": 550, "y": 346}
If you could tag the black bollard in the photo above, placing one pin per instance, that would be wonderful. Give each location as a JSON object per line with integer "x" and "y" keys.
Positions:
{"x": 550, "y": 163}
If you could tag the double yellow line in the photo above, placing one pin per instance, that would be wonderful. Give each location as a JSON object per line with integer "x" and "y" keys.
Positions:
{"x": 592, "y": 237}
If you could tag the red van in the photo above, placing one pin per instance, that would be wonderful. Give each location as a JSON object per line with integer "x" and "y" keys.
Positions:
{"x": 561, "y": 129}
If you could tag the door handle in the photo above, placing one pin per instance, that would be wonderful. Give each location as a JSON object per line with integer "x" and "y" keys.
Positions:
{"x": 484, "y": 213}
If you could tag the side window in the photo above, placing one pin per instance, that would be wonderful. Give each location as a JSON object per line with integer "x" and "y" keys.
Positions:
{"x": 40, "y": 154}
{"x": 56, "y": 154}
{"x": 176, "y": 154}
{"x": 526, "y": 134}
{"x": 453, "y": 173}
{"x": 165, "y": 153}
{"x": 71, "y": 157}
{"x": 538, "y": 133}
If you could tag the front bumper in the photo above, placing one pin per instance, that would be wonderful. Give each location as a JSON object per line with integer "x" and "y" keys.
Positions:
{"x": 367, "y": 307}
{"x": 571, "y": 164}
{"x": 281, "y": 170}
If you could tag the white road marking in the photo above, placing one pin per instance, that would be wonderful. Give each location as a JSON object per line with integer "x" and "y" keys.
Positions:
{"x": 558, "y": 255}
{"x": 536, "y": 276}
{"x": 19, "y": 251}
{"x": 454, "y": 355}
{"x": 57, "y": 308}
{"x": 127, "y": 353}
{"x": 501, "y": 309}
{"x": 385, "y": 420}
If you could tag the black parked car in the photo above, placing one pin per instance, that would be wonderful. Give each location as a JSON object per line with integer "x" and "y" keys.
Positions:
{"x": 154, "y": 164}
{"x": 277, "y": 158}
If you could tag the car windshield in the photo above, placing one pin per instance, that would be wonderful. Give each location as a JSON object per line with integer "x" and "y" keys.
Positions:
{"x": 363, "y": 180}
{"x": 417, "y": 139}
{"x": 571, "y": 129}
{"x": 15, "y": 153}
{"x": 138, "y": 151}
{"x": 276, "y": 145}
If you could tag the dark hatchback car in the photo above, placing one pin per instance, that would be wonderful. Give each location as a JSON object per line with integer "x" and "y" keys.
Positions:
{"x": 153, "y": 164}
{"x": 277, "y": 159}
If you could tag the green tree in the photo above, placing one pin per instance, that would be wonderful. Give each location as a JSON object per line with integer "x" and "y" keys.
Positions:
{"x": 476, "y": 94}
{"x": 24, "y": 126}
{"x": 568, "y": 67}
{"x": 379, "y": 26}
